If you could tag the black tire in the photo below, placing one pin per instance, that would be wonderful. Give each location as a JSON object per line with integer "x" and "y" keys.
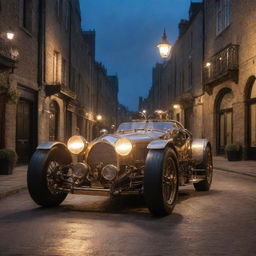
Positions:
{"x": 161, "y": 181}
{"x": 205, "y": 185}
{"x": 37, "y": 175}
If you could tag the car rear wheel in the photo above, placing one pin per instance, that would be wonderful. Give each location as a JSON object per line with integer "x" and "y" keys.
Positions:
{"x": 205, "y": 185}
{"x": 42, "y": 169}
{"x": 161, "y": 181}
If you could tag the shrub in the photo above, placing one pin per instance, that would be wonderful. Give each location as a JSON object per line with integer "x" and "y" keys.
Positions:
{"x": 9, "y": 155}
{"x": 233, "y": 147}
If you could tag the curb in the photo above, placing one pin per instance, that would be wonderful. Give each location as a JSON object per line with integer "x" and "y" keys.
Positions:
{"x": 236, "y": 172}
{"x": 11, "y": 192}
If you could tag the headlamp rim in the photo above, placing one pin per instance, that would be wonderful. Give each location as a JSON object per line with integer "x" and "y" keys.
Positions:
{"x": 85, "y": 142}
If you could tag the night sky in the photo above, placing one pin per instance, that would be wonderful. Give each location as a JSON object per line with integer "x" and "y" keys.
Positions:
{"x": 127, "y": 32}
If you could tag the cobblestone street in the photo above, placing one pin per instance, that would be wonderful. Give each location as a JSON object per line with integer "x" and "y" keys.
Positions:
{"x": 219, "y": 222}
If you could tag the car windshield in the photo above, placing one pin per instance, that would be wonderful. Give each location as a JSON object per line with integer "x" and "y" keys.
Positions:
{"x": 163, "y": 126}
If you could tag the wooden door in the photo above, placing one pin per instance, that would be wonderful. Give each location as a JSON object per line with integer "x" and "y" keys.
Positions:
{"x": 24, "y": 130}
{"x": 2, "y": 121}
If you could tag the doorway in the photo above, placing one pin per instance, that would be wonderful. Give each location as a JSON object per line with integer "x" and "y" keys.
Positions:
{"x": 224, "y": 121}
{"x": 251, "y": 113}
{"x": 2, "y": 121}
{"x": 24, "y": 126}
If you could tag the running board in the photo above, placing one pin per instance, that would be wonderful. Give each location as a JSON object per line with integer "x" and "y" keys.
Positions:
{"x": 91, "y": 191}
{"x": 101, "y": 191}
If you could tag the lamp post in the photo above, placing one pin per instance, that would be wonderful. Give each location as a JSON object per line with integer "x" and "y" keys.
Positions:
{"x": 164, "y": 47}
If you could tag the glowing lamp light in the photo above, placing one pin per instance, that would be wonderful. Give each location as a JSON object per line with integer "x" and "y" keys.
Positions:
{"x": 144, "y": 111}
{"x": 208, "y": 64}
{"x": 77, "y": 144}
{"x": 99, "y": 117}
{"x": 164, "y": 47}
{"x": 123, "y": 146}
{"x": 176, "y": 106}
{"x": 10, "y": 35}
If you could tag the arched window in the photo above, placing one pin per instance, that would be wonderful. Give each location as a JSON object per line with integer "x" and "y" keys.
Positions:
{"x": 53, "y": 121}
{"x": 224, "y": 120}
{"x": 251, "y": 100}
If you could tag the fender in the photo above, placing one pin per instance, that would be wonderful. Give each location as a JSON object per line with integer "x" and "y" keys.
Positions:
{"x": 50, "y": 144}
{"x": 159, "y": 144}
{"x": 198, "y": 150}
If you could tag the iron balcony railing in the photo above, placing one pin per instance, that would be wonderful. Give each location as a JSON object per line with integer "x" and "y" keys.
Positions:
{"x": 51, "y": 89}
{"x": 8, "y": 54}
{"x": 222, "y": 66}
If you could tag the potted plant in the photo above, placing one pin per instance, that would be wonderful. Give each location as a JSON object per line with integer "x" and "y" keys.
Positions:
{"x": 233, "y": 152}
{"x": 8, "y": 159}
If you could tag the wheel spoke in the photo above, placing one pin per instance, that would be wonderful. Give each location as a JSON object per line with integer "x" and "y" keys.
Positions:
{"x": 169, "y": 181}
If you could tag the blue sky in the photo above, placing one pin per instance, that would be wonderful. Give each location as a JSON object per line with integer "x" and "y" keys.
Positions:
{"x": 127, "y": 32}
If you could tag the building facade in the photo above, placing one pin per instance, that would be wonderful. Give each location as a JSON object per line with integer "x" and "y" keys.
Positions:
{"x": 229, "y": 74}
{"x": 210, "y": 77}
{"x": 49, "y": 75}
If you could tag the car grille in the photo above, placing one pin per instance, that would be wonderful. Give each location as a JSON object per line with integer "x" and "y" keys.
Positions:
{"x": 102, "y": 153}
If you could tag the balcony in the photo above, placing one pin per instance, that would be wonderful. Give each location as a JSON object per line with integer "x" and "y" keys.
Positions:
{"x": 62, "y": 90}
{"x": 8, "y": 55}
{"x": 221, "y": 67}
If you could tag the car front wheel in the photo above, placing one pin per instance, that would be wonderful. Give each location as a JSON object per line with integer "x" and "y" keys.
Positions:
{"x": 42, "y": 173}
{"x": 161, "y": 181}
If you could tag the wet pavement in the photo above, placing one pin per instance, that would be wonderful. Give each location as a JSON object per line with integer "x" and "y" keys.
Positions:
{"x": 219, "y": 222}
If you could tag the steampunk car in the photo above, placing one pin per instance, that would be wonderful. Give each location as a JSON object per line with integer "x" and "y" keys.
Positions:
{"x": 153, "y": 157}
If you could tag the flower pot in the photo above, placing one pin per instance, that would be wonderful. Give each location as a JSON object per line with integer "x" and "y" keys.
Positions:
{"x": 6, "y": 167}
{"x": 234, "y": 155}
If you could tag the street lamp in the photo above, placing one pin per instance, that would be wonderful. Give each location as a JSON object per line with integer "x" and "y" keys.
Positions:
{"x": 164, "y": 47}
{"x": 10, "y": 35}
{"x": 99, "y": 117}
{"x": 176, "y": 106}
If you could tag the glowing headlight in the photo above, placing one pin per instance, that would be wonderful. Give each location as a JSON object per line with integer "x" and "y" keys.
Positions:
{"x": 77, "y": 144}
{"x": 123, "y": 146}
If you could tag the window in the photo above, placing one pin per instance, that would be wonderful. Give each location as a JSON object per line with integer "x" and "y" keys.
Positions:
{"x": 26, "y": 14}
{"x": 55, "y": 70}
{"x": 67, "y": 16}
{"x": 225, "y": 119}
{"x": 53, "y": 121}
{"x": 253, "y": 116}
{"x": 59, "y": 9}
{"x": 182, "y": 81}
{"x": 73, "y": 79}
{"x": 223, "y": 15}
{"x": 68, "y": 130}
{"x": 63, "y": 72}
{"x": 190, "y": 75}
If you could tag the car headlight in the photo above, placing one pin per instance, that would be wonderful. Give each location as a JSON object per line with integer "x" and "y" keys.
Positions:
{"x": 123, "y": 146}
{"x": 77, "y": 144}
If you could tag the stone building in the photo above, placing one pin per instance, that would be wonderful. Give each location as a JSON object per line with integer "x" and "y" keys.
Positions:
{"x": 229, "y": 74}
{"x": 53, "y": 82}
{"x": 19, "y": 121}
{"x": 210, "y": 77}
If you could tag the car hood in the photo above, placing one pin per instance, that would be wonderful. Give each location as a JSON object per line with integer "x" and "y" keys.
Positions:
{"x": 138, "y": 136}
